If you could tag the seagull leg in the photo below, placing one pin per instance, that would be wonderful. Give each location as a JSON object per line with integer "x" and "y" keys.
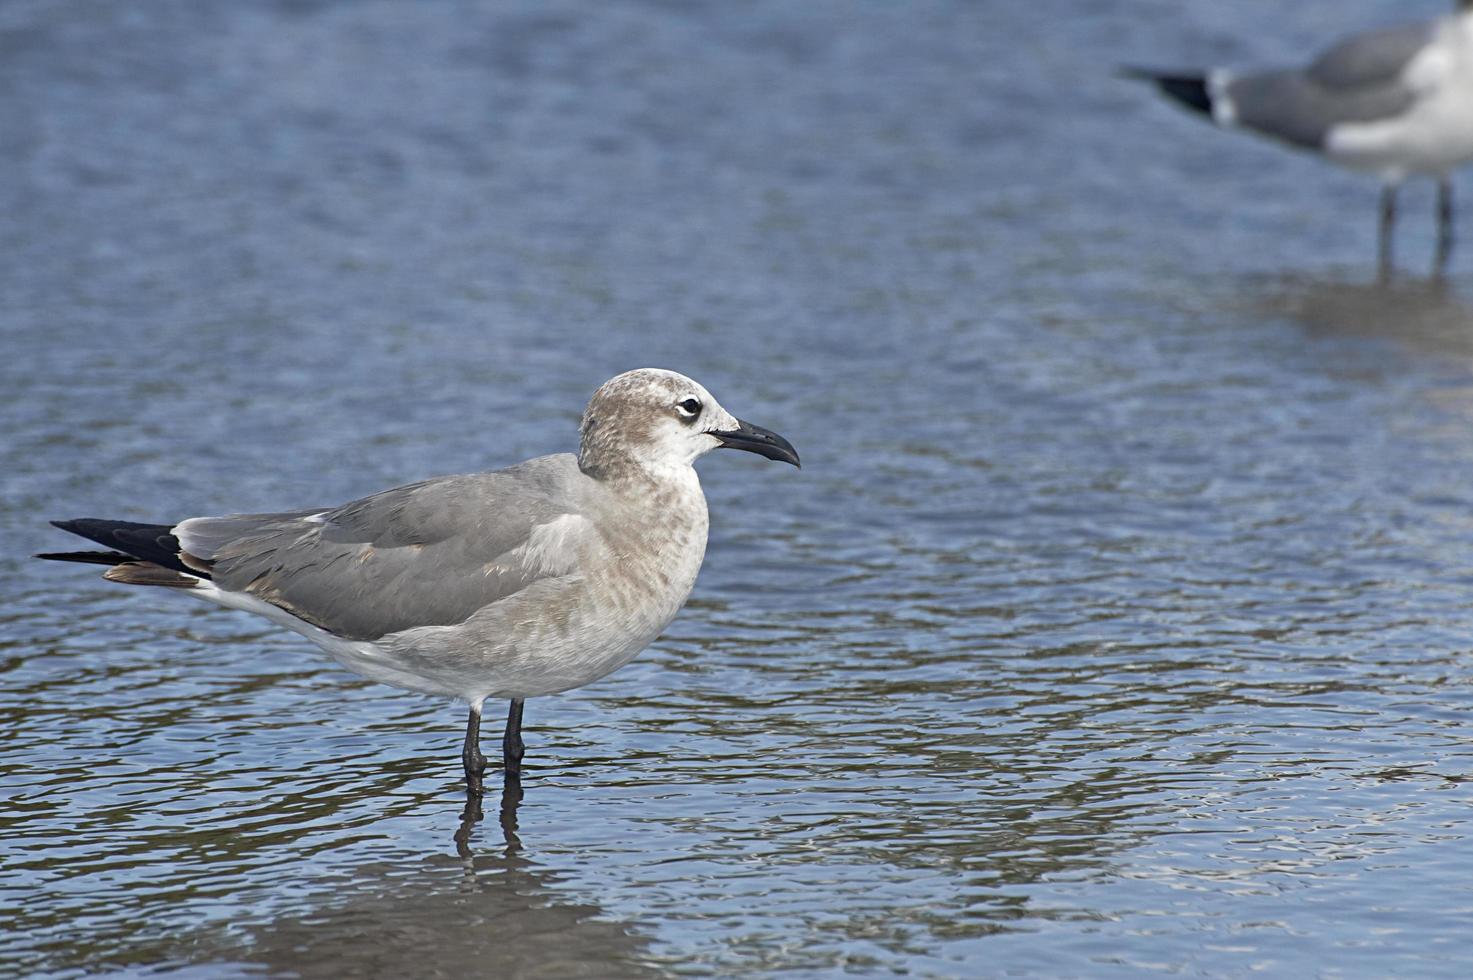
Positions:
{"x": 511, "y": 741}
{"x": 1444, "y": 227}
{"x": 475, "y": 763}
{"x": 1388, "y": 223}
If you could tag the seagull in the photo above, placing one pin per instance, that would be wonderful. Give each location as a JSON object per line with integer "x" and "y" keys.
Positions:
{"x": 1396, "y": 103}
{"x": 510, "y": 584}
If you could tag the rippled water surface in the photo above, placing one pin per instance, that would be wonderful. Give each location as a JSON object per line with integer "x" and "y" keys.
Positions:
{"x": 1117, "y": 624}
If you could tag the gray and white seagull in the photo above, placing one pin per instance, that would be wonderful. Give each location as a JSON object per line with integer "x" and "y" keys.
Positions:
{"x": 528, "y": 580}
{"x": 1396, "y": 103}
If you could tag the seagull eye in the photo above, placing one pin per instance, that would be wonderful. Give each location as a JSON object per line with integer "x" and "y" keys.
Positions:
{"x": 688, "y": 409}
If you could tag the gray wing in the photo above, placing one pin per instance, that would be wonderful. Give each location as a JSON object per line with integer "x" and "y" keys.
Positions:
{"x": 1358, "y": 80}
{"x": 427, "y": 554}
{"x": 1290, "y": 106}
{"x": 1372, "y": 58}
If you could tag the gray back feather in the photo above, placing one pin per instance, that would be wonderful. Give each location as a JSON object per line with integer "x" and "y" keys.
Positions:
{"x": 1372, "y": 58}
{"x": 201, "y": 538}
{"x": 1290, "y": 106}
{"x": 427, "y": 554}
{"x": 1357, "y": 80}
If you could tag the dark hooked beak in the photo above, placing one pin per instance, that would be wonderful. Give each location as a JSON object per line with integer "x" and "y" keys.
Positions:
{"x": 755, "y": 439}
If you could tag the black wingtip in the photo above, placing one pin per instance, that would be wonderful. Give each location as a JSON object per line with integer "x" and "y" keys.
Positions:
{"x": 86, "y": 557}
{"x": 141, "y": 542}
{"x": 1187, "y": 88}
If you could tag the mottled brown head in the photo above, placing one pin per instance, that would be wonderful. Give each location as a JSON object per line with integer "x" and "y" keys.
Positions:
{"x": 650, "y": 420}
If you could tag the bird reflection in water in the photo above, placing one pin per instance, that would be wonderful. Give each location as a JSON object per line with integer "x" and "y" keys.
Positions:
{"x": 473, "y": 814}
{"x": 1425, "y": 315}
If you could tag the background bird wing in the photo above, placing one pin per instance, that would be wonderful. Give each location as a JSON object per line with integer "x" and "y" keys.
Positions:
{"x": 1361, "y": 79}
{"x": 1372, "y": 58}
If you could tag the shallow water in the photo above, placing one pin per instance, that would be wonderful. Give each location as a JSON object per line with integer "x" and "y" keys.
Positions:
{"x": 1116, "y": 624}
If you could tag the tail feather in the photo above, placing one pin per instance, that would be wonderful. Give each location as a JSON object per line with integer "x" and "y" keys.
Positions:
{"x": 1187, "y": 88}
{"x": 147, "y": 573}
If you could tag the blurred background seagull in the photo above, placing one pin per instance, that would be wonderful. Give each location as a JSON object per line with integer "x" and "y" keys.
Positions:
{"x": 528, "y": 580}
{"x": 1396, "y": 103}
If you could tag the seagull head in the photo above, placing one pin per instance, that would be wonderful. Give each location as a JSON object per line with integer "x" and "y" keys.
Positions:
{"x": 651, "y": 418}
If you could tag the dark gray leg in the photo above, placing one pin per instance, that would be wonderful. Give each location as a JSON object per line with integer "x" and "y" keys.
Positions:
{"x": 511, "y": 741}
{"x": 1388, "y": 224}
{"x": 1444, "y": 227}
{"x": 475, "y": 767}
{"x": 475, "y": 763}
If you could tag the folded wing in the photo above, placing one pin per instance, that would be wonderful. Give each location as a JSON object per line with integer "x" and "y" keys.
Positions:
{"x": 1362, "y": 79}
{"x": 428, "y": 554}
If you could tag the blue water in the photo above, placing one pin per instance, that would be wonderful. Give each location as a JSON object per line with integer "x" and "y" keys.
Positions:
{"x": 1117, "y": 623}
